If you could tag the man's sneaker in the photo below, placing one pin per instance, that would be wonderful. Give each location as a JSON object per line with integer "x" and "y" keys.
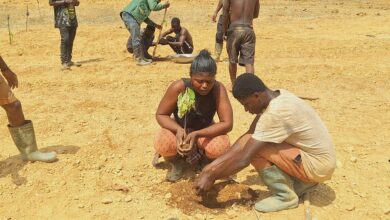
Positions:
{"x": 142, "y": 62}
{"x": 71, "y": 63}
{"x": 65, "y": 66}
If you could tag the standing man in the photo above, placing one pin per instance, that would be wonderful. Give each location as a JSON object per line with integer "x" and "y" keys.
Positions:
{"x": 219, "y": 35}
{"x": 181, "y": 43}
{"x": 238, "y": 16}
{"x": 287, "y": 143}
{"x": 65, "y": 19}
{"x": 22, "y": 131}
{"x": 133, "y": 15}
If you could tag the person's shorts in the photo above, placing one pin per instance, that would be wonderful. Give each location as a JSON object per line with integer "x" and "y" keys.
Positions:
{"x": 6, "y": 95}
{"x": 241, "y": 41}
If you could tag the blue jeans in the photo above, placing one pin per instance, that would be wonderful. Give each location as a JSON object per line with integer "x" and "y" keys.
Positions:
{"x": 134, "y": 28}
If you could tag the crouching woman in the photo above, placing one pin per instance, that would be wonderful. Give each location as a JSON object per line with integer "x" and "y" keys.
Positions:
{"x": 195, "y": 134}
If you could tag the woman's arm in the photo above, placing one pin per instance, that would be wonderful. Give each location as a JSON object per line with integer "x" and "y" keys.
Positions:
{"x": 167, "y": 106}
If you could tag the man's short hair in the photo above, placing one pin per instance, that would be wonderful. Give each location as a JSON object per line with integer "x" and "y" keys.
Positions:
{"x": 247, "y": 84}
{"x": 175, "y": 20}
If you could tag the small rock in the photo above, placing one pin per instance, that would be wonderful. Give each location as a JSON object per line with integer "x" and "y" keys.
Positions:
{"x": 168, "y": 196}
{"x": 106, "y": 201}
{"x": 80, "y": 206}
{"x": 63, "y": 183}
{"x": 386, "y": 211}
{"x": 353, "y": 159}
{"x": 128, "y": 199}
{"x": 350, "y": 208}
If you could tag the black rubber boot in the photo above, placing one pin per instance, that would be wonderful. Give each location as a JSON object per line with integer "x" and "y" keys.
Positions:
{"x": 177, "y": 168}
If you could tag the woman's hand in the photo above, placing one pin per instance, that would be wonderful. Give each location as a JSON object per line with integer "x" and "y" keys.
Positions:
{"x": 180, "y": 136}
{"x": 188, "y": 143}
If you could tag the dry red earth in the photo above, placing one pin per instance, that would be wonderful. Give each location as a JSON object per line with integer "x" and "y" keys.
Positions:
{"x": 100, "y": 117}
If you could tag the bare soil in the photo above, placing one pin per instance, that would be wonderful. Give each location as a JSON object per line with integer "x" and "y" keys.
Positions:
{"x": 99, "y": 118}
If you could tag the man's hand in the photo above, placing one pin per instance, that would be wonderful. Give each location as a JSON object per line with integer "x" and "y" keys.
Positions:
{"x": 158, "y": 26}
{"x": 167, "y": 4}
{"x": 214, "y": 17}
{"x": 11, "y": 78}
{"x": 163, "y": 41}
{"x": 204, "y": 183}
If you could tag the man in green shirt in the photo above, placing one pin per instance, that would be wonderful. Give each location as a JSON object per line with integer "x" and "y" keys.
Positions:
{"x": 133, "y": 15}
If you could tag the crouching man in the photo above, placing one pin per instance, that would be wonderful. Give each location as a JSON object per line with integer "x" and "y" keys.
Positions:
{"x": 287, "y": 143}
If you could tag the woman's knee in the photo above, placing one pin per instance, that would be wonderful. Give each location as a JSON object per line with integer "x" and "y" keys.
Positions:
{"x": 165, "y": 143}
{"x": 214, "y": 147}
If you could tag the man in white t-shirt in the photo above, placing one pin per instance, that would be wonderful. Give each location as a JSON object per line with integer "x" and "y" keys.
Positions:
{"x": 287, "y": 143}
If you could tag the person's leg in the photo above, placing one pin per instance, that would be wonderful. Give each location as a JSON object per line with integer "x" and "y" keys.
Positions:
{"x": 72, "y": 36}
{"x": 165, "y": 145}
{"x": 21, "y": 130}
{"x": 278, "y": 164}
{"x": 249, "y": 68}
{"x": 64, "y": 32}
{"x": 135, "y": 34}
{"x": 146, "y": 43}
{"x": 214, "y": 147}
{"x": 232, "y": 46}
{"x": 247, "y": 51}
{"x": 10, "y": 104}
{"x": 14, "y": 113}
{"x": 129, "y": 45}
{"x": 284, "y": 156}
{"x": 232, "y": 73}
{"x": 187, "y": 48}
{"x": 176, "y": 49}
{"x": 219, "y": 38}
{"x": 126, "y": 21}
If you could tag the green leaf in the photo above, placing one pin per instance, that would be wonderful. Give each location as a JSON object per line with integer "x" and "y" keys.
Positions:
{"x": 185, "y": 102}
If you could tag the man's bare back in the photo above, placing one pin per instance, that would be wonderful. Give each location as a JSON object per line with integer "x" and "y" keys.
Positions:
{"x": 241, "y": 11}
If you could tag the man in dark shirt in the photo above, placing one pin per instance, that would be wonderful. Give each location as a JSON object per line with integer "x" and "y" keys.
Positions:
{"x": 65, "y": 19}
{"x": 147, "y": 37}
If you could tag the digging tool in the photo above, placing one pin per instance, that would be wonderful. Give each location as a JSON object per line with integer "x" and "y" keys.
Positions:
{"x": 309, "y": 98}
{"x": 39, "y": 9}
{"x": 27, "y": 14}
{"x": 159, "y": 33}
{"x": 9, "y": 31}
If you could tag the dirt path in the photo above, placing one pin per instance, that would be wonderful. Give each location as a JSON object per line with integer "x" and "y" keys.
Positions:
{"x": 100, "y": 117}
